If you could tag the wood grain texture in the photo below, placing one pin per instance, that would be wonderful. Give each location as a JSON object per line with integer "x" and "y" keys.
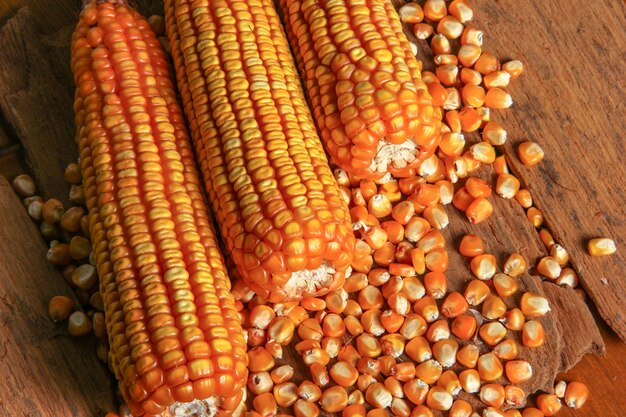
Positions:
{"x": 36, "y": 91}
{"x": 604, "y": 375}
{"x": 571, "y": 100}
{"x": 45, "y": 372}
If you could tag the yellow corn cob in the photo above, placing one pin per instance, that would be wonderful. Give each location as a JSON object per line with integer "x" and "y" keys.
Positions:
{"x": 373, "y": 110}
{"x": 277, "y": 203}
{"x": 176, "y": 342}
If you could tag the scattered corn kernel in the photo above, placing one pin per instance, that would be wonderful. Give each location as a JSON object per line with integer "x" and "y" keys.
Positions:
{"x": 601, "y": 247}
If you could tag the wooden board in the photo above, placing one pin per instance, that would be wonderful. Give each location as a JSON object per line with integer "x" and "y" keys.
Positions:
{"x": 571, "y": 100}
{"x": 45, "y": 372}
{"x": 34, "y": 102}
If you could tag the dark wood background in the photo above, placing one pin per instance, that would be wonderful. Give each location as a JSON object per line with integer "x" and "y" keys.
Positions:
{"x": 571, "y": 99}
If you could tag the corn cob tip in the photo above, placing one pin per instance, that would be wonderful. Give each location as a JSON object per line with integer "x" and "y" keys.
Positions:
{"x": 196, "y": 408}
{"x": 209, "y": 407}
{"x": 310, "y": 281}
{"x": 395, "y": 155}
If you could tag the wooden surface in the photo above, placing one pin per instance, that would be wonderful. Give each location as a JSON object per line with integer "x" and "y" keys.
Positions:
{"x": 571, "y": 100}
{"x": 568, "y": 100}
{"x": 45, "y": 372}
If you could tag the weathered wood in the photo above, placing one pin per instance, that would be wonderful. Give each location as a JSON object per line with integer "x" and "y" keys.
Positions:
{"x": 12, "y": 162}
{"x": 605, "y": 378}
{"x": 571, "y": 101}
{"x": 45, "y": 372}
{"x": 5, "y": 137}
{"x": 36, "y": 93}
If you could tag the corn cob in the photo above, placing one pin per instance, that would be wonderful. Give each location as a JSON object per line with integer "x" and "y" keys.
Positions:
{"x": 176, "y": 344}
{"x": 274, "y": 195}
{"x": 373, "y": 110}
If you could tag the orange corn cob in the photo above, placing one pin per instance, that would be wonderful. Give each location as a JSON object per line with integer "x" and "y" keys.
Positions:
{"x": 176, "y": 344}
{"x": 373, "y": 110}
{"x": 277, "y": 203}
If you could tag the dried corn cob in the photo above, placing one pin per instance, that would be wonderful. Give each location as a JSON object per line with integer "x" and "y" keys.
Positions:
{"x": 176, "y": 342}
{"x": 373, "y": 110}
{"x": 276, "y": 200}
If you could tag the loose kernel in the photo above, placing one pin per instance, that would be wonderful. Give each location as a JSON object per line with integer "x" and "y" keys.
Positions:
{"x": 52, "y": 210}
{"x": 476, "y": 292}
{"x": 504, "y": 285}
{"x": 479, "y": 209}
{"x": 470, "y": 380}
{"x": 439, "y": 399}
{"x": 559, "y": 389}
{"x": 435, "y": 10}
{"x": 576, "y": 394}
{"x": 524, "y": 197}
{"x": 514, "y": 319}
{"x": 462, "y": 10}
{"x": 507, "y": 186}
{"x": 518, "y": 371}
{"x": 34, "y": 207}
{"x": 494, "y": 134}
{"x": 334, "y": 399}
{"x": 78, "y": 324}
{"x": 549, "y": 267}
{"x": 535, "y": 216}
{"x": 492, "y": 395}
{"x": 282, "y": 374}
{"x": 470, "y": 76}
{"x": 506, "y": 350}
{"x": 470, "y": 122}
{"x": 450, "y": 27}
{"x": 493, "y": 307}
{"x": 601, "y": 247}
{"x": 529, "y": 152}
{"x": 59, "y": 254}
{"x": 549, "y": 404}
{"x": 568, "y": 277}
{"x": 534, "y": 305}
{"x": 447, "y": 74}
{"x": 377, "y": 395}
{"x": 498, "y": 79}
{"x": 24, "y": 186}
{"x": 492, "y": 333}
{"x": 477, "y": 187}
{"x": 60, "y": 307}
{"x": 464, "y": 327}
{"x": 533, "y": 334}
{"x": 497, "y": 98}
{"x": 472, "y": 36}
{"x": 514, "y": 68}
{"x": 80, "y": 247}
{"x": 489, "y": 367}
{"x": 483, "y": 266}
{"x": 423, "y": 31}
{"x": 308, "y": 391}
{"x": 471, "y": 245}
{"x": 411, "y": 13}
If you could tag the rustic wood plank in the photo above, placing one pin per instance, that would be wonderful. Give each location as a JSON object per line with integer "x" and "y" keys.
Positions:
{"x": 5, "y": 137}
{"x": 35, "y": 102}
{"x": 45, "y": 371}
{"x": 12, "y": 162}
{"x": 605, "y": 378}
{"x": 571, "y": 100}
{"x": 48, "y": 15}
